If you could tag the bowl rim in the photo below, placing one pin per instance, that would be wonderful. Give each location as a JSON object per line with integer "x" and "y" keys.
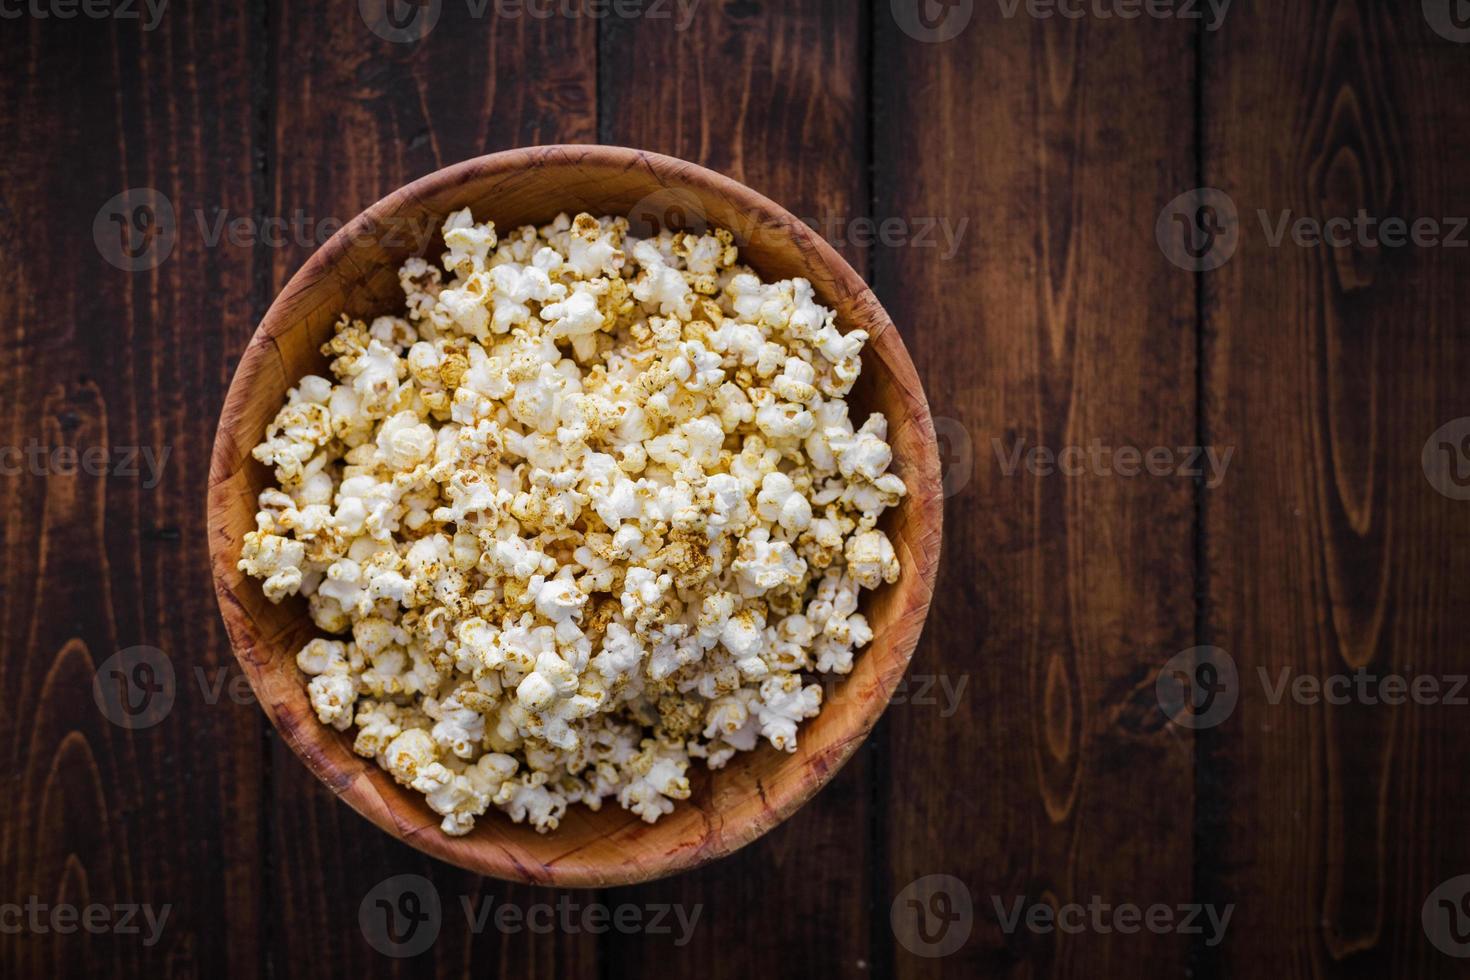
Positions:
{"x": 920, "y": 559}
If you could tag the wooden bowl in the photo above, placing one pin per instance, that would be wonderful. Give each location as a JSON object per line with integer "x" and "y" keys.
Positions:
{"x": 356, "y": 272}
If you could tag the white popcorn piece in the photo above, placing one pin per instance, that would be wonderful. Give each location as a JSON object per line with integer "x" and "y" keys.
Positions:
{"x": 515, "y": 288}
{"x": 779, "y": 502}
{"x": 871, "y": 559}
{"x": 558, "y": 599}
{"x": 576, "y": 316}
{"x": 783, "y": 703}
{"x": 411, "y": 753}
{"x": 661, "y": 286}
{"x": 275, "y": 559}
{"x": 378, "y": 723}
{"x": 656, "y": 780}
{"x": 528, "y": 798}
{"x": 374, "y": 375}
{"x": 421, "y": 286}
{"x": 458, "y": 728}
{"x": 323, "y": 657}
{"x": 465, "y": 308}
{"x": 332, "y": 698}
{"x": 743, "y": 635}
{"x": 764, "y": 564}
{"x": 469, "y": 243}
{"x": 298, "y": 432}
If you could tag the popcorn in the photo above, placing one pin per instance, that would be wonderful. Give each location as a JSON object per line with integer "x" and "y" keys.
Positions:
{"x": 781, "y": 503}
{"x": 299, "y": 430}
{"x": 275, "y": 559}
{"x": 408, "y": 754}
{"x": 575, "y": 317}
{"x": 864, "y": 453}
{"x": 469, "y": 243}
{"x": 332, "y": 697}
{"x": 871, "y": 559}
{"x": 766, "y": 565}
{"x": 451, "y": 795}
{"x": 842, "y": 627}
{"x": 559, "y": 599}
{"x": 374, "y": 372}
{"x": 657, "y": 779}
{"x": 529, "y": 799}
{"x": 743, "y": 636}
{"x": 377, "y": 725}
{"x": 591, "y": 508}
{"x": 464, "y": 308}
{"x": 784, "y": 702}
{"x": 459, "y": 727}
{"x": 515, "y": 287}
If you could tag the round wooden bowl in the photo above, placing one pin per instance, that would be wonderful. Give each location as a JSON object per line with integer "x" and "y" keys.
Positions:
{"x": 356, "y": 272}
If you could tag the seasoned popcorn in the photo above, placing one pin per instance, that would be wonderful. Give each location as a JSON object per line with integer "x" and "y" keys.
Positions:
{"x": 591, "y": 508}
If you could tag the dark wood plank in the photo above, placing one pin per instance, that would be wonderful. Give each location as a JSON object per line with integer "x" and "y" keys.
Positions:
{"x": 1056, "y": 323}
{"x": 99, "y": 357}
{"x": 774, "y": 96}
{"x": 1329, "y": 549}
{"x": 355, "y": 116}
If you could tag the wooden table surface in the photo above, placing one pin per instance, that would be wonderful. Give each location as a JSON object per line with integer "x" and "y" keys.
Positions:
{"x": 1019, "y": 195}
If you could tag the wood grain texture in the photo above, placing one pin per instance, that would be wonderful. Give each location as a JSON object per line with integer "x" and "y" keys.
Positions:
{"x": 354, "y": 116}
{"x": 756, "y": 89}
{"x": 96, "y": 357}
{"x": 1330, "y": 551}
{"x": 1057, "y": 322}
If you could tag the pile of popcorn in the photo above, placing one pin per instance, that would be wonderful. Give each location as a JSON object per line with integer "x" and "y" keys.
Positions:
{"x": 592, "y": 508}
